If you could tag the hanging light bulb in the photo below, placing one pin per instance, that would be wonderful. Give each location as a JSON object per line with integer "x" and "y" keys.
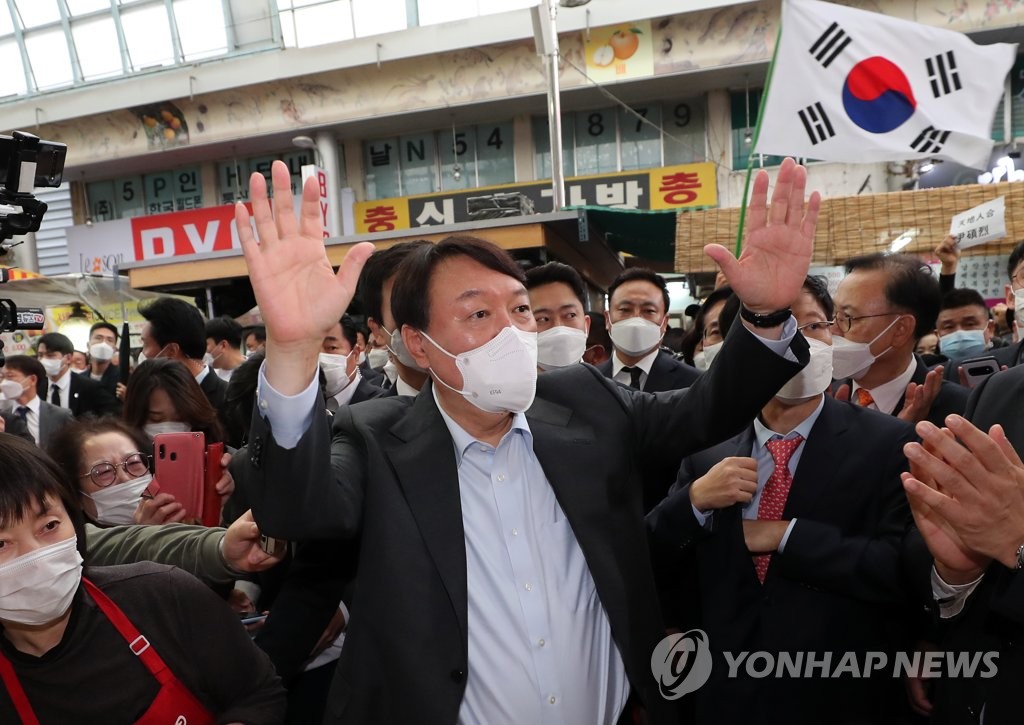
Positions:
{"x": 457, "y": 172}
{"x": 748, "y": 137}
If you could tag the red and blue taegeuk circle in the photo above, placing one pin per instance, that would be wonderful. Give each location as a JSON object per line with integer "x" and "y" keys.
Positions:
{"x": 877, "y": 95}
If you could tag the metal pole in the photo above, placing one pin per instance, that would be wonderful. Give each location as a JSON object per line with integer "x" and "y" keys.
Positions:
{"x": 550, "y": 11}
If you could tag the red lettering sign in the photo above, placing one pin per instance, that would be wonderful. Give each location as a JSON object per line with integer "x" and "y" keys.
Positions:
{"x": 678, "y": 189}
{"x": 179, "y": 234}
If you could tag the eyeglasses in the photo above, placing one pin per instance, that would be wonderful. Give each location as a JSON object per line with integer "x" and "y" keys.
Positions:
{"x": 104, "y": 474}
{"x": 845, "y": 323}
{"x": 820, "y": 326}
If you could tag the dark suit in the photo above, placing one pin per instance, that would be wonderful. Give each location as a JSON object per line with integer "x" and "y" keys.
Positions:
{"x": 87, "y": 397}
{"x": 15, "y": 426}
{"x": 667, "y": 373}
{"x": 835, "y": 588}
{"x": 109, "y": 380}
{"x": 51, "y": 420}
{"x": 993, "y": 617}
{"x": 395, "y": 481}
{"x": 215, "y": 389}
{"x": 952, "y": 397}
{"x": 1009, "y": 355}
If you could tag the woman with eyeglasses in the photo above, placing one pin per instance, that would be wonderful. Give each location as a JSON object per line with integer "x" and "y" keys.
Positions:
{"x": 139, "y": 643}
{"x": 110, "y": 463}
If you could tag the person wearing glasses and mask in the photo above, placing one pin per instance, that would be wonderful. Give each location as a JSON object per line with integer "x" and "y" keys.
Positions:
{"x": 110, "y": 463}
{"x": 1013, "y": 353}
{"x": 884, "y": 304}
{"x": 637, "y": 318}
{"x": 773, "y": 541}
{"x": 705, "y": 339}
{"x": 138, "y": 643}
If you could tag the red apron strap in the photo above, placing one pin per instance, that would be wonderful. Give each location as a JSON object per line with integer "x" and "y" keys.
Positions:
{"x": 137, "y": 643}
{"x": 18, "y": 696}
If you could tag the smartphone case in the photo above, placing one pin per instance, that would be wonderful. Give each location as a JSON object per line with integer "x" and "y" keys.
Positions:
{"x": 179, "y": 468}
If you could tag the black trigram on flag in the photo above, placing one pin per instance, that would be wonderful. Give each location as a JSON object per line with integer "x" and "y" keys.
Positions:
{"x": 816, "y": 123}
{"x": 831, "y": 43}
{"x": 930, "y": 141}
{"x": 942, "y": 74}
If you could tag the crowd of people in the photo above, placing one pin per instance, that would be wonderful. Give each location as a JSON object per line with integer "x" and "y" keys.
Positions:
{"x": 482, "y": 501}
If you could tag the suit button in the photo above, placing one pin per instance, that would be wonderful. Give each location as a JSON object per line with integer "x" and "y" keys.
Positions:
{"x": 458, "y": 675}
{"x": 256, "y": 452}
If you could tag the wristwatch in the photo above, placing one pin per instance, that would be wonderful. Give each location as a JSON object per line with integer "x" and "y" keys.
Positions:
{"x": 1020, "y": 558}
{"x": 771, "y": 319}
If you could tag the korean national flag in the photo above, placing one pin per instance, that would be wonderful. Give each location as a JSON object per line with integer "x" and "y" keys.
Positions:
{"x": 855, "y": 86}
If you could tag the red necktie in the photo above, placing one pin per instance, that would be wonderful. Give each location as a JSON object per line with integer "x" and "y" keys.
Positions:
{"x": 864, "y": 398}
{"x": 776, "y": 491}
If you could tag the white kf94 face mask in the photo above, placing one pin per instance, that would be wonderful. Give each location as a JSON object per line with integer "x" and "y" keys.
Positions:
{"x": 116, "y": 503}
{"x": 560, "y": 346}
{"x": 635, "y": 336}
{"x": 853, "y": 359}
{"x": 500, "y": 375}
{"x": 816, "y": 376}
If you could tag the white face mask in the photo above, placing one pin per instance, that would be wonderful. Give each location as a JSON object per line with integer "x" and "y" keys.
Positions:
{"x": 51, "y": 366}
{"x": 171, "y": 426}
{"x": 116, "y": 504}
{"x": 853, "y": 359}
{"x": 209, "y": 359}
{"x": 816, "y": 376}
{"x": 1018, "y": 308}
{"x": 702, "y": 359}
{"x": 635, "y": 336}
{"x": 378, "y": 357}
{"x": 560, "y": 346}
{"x": 397, "y": 347}
{"x": 335, "y": 369}
{"x": 11, "y": 389}
{"x": 499, "y": 376}
{"x": 37, "y": 588}
{"x": 101, "y": 351}
{"x": 361, "y": 359}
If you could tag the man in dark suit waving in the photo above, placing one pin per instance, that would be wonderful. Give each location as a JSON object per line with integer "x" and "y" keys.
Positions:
{"x": 499, "y": 515}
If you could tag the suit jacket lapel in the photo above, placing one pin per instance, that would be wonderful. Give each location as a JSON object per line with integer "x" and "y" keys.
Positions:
{"x": 920, "y": 373}
{"x": 423, "y": 457}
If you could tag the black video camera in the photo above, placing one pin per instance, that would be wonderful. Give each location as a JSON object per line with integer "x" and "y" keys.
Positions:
{"x": 26, "y": 162}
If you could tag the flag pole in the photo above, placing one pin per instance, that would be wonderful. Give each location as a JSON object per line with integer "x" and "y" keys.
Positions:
{"x": 757, "y": 134}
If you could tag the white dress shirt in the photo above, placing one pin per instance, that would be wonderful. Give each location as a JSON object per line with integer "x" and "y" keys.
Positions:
{"x": 620, "y": 375}
{"x": 887, "y": 395}
{"x": 31, "y": 417}
{"x": 64, "y": 384}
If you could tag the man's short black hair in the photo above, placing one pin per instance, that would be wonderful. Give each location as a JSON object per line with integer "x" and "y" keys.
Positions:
{"x": 174, "y": 320}
{"x": 817, "y": 287}
{"x": 644, "y": 274}
{"x": 963, "y": 297}
{"x": 104, "y": 325}
{"x": 1015, "y": 259}
{"x": 349, "y": 328}
{"x": 258, "y": 331}
{"x": 912, "y": 287}
{"x": 224, "y": 328}
{"x": 55, "y": 341}
{"x": 410, "y": 296}
{"x": 558, "y": 272}
{"x": 381, "y": 265}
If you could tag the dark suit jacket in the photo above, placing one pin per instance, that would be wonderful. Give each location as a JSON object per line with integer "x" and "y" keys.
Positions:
{"x": 667, "y": 373}
{"x": 15, "y": 426}
{"x": 993, "y": 617}
{"x": 394, "y": 481}
{"x": 952, "y": 397}
{"x": 88, "y": 397}
{"x": 1010, "y": 355}
{"x": 111, "y": 377}
{"x": 837, "y": 587}
{"x": 215, "y": 389}
{"x": 366, "y": 390}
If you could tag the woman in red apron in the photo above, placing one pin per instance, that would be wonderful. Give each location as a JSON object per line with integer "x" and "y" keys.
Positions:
{"x": 131, "y": 644}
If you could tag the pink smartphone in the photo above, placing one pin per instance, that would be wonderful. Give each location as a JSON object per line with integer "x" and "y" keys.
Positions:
{"x": 179, "y": 470}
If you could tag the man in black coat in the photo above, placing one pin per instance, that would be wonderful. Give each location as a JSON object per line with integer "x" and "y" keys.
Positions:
{"x": 67, "y": 390}
{"x": 499, "y": 515}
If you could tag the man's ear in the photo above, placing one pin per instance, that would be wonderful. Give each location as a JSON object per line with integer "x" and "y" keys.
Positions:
{"x": 904, "y": 329}
{"x": 586, "y": 324}
{"x": 607, "y": 321}
{"x": 415, "y": 343}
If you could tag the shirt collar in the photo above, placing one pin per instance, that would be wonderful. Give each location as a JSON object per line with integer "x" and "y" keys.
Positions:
{"x": 349, "y": 390}
{"x": 201, "y": 375}
{"x": 64, "y": 381}
{"x": 763, "y": 433}
{"x": 887, "y": 395}
{"x": 645, "y": 364}
{"x": 403, "y": 388}
{"x": 463, "y": 440}
{"x": 33, "y": 404}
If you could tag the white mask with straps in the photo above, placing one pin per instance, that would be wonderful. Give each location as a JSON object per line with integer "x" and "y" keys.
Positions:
{"x": 116, "y": 503}
{"x": 814, "y": 378}
{"x": 101, "y": 351}
{"x": 499, "y": 376}
{"x": 38, "y": 587}
{"x": 852, "y": 359}
{"x": 171, "y": 426}
{"x": 560, "y": 346}
{"x": 636, "y": 336}
{"x": 335, "y": 369}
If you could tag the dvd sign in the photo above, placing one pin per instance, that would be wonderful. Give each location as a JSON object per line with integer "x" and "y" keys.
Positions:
{"x": 179, "y": 234}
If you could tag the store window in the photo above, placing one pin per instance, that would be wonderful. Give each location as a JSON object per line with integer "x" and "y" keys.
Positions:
{"x": 744, "y": 107}
{"x": 157, "y": 193}
{"x": 233, "y": 176}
